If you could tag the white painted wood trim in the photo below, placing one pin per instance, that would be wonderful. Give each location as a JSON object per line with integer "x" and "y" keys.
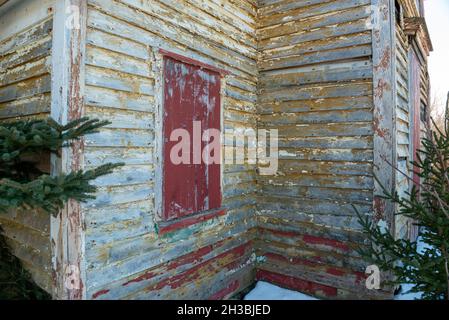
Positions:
{"x": 223, "y": 97}
{"x": 158, "y": 75}
{"x": 67, "y": 228}
{"x": 384, "y": 88}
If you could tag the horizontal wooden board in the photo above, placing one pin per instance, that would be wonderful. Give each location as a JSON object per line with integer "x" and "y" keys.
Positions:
{"x": 25, "y": 93}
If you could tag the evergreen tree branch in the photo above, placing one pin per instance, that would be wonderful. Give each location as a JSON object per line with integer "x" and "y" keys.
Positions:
{"x": 23, "y": 139}
{"x": 23, "y": 184}
{"x": 50, "y": 193}
{"x": 428, "y": 205}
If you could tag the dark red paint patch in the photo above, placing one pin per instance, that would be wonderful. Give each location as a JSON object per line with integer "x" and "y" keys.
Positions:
{"x": 360, "y": 277}
{"x": 146, "y": 276}
{"x": 295, "y": 261}
{"x": 202, "y": 269}
{"x": 100, "y": 293}
{"x": 192, "y": 61}
{"x": 336, "y": 272}
{"x": 232, "y": 287}
{"x": 280, "y": 232}
{"x": 379, "y": 208}
{"x": 297, "y": 284}
{"x": 185, "y": 259}
{"x": 327, "y": 242}
{"x": 190, "y": 221}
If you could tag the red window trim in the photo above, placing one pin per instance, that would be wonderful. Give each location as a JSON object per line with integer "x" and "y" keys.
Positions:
{"x": 174, "y": 225}
{"x": 168, "y": 226}
{"x": 194, "y": 62}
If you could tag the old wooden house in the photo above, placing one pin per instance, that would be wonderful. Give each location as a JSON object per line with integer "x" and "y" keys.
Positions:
{"x": 344, "y": 82}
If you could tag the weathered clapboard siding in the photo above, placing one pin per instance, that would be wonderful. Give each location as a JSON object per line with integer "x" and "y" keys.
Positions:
{"x": 25, "y": 91}
{"x": 305, "y": 67}
{"x": 126, "y": 256}
{"x": 316, "y": 89}
{"x": 25, "y": 72}
{"x": 403, "y": 118}
{"x": 402, "y": 98}
{"x": 405, "y": 104}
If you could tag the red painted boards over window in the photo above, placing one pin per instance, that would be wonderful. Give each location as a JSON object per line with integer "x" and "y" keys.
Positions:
{"x": 191, "y": 107}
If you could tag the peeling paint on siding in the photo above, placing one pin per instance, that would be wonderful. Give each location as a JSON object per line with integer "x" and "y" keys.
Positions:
{"x": 121, "y": 261}
{"x": 316, "y": 71}
{"x": 324, "y": 73}
{"x": 25, "y": 92}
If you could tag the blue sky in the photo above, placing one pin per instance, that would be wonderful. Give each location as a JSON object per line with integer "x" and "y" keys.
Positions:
{"x": 437, "y": 14}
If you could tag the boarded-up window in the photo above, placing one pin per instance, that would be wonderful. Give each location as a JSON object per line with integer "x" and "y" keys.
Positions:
{"x": 191, "y": 105}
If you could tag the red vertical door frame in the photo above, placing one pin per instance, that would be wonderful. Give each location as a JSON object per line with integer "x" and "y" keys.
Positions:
{"x": 191, "y": 94}
{"x": 415, "y": 100}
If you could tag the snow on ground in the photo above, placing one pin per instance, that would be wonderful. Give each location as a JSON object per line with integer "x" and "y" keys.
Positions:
{"x": 422, "y": 246}
{"x": 404, "y": 295}
{"x": 268, "y": 291}
{"x": 408, "y": 296}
